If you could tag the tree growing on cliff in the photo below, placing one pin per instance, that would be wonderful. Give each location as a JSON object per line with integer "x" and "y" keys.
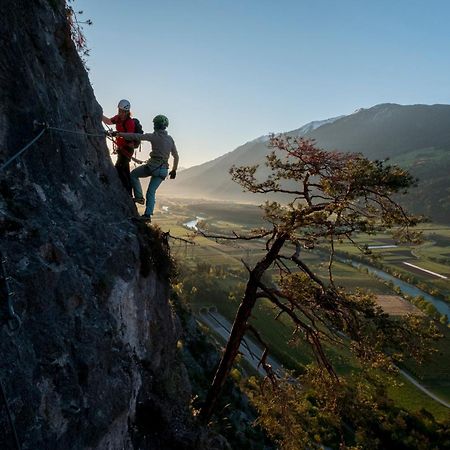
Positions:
{"x": 76, "y": 30}
{"x": 331, "y": 196}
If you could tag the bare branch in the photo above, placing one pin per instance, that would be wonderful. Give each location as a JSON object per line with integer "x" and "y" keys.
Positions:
{"x": 338, "y": 194}
{"x": 311, "y": 334}
{"x": 282, "y": 266}
{"x": 305, "y": 269}
{"x": 263, "y": 360}
{"x": 235, "y": 237}
{"x": 187, "y": 241}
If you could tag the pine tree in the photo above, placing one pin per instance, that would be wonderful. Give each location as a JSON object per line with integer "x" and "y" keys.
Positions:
{"x": 329, "y": 197}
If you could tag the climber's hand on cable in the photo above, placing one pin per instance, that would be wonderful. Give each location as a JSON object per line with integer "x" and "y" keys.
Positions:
{"x": 172, "y": 174}
{"x": 111, "y": 133}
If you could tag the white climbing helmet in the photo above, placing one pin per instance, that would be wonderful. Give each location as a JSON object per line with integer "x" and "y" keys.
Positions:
{"x": 124, "y": 104}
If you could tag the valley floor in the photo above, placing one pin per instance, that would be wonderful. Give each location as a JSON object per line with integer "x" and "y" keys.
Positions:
{"x": 220, "y": 263}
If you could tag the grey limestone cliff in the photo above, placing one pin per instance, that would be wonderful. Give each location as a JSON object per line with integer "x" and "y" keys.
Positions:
{"x": 94, "y": 364}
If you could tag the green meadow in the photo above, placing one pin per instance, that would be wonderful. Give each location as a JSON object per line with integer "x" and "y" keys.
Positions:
{"x": 212, "y": 274}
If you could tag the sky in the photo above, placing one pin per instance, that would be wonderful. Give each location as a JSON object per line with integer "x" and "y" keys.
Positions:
{"x": 228, "y": 71}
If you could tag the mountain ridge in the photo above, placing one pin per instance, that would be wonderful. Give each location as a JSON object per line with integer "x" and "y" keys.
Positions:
{"x": 386, "y": 130}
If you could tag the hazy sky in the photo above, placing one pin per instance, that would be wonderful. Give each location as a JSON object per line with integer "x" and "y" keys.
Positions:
{"x": 226, "y": 72}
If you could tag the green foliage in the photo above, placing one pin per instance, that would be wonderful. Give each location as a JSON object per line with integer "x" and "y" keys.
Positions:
{"x": 315, "y": 409}
{"x": 378, "y": 263}
{"x": 76, "y": 31}
{"x": 235, "y": 415}
{"x": 339, "y": 195}
{"x": 200, "y": 284}
{"x": 373, "y": 336}
{"x": 334, "y": 197}
{"x": 154, "y": 252}
{"x": 434, "y": 372}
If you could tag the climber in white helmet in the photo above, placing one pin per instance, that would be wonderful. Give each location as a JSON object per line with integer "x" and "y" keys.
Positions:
{"x": 125, "y": 148}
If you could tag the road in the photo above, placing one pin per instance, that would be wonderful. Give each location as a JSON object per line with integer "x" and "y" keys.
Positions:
{"x": 250, "y": 351}
{"x": 424, "y": 389}
{"x": 253, "y": 352}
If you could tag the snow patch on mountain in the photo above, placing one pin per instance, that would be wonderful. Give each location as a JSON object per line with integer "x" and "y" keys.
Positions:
{"x": 311, "y": 126}
{"x": 261, "y": 139}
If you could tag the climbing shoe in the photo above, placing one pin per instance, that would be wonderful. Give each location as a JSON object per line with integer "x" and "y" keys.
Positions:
{"x": 141, "y": 201}
{"x": 145, "y": 218}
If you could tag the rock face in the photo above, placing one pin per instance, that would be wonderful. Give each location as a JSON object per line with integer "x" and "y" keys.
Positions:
{"x": 94, "y": 363}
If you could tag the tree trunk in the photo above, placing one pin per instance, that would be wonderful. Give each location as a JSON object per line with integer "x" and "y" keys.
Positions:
{"x": 239, "y": 328}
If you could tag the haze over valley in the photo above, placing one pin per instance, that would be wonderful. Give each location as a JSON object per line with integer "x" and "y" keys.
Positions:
{"x": 416, "y": 137}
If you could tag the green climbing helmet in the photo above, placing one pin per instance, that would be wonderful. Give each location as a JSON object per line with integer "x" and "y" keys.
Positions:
{"x": 160, "y": 122}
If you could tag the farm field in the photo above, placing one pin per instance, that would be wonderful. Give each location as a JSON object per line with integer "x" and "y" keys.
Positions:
{"x": 227, "y": 283}
{"x": 432, "y": 255}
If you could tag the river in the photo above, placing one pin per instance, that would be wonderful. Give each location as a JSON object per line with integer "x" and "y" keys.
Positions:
{"x": 442, "y": 306}
{"x": 192, "y": 224}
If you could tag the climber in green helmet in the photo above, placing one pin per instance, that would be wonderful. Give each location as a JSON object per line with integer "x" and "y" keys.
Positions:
{"x": 160, "y": 122}
{"x": 157, "y": 167}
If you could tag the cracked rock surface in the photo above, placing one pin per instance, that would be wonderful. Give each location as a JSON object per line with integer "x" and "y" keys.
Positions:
{"x": 94, "y": 364}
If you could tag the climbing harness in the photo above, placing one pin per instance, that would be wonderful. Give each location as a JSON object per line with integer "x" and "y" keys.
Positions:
{"x": 108, "y": 136}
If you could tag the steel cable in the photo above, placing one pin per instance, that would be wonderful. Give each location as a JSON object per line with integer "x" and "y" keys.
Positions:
{"x": 10, "y": 160}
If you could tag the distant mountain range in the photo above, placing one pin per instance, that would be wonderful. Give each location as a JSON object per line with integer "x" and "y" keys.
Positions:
{"x": 416, "y": 137}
